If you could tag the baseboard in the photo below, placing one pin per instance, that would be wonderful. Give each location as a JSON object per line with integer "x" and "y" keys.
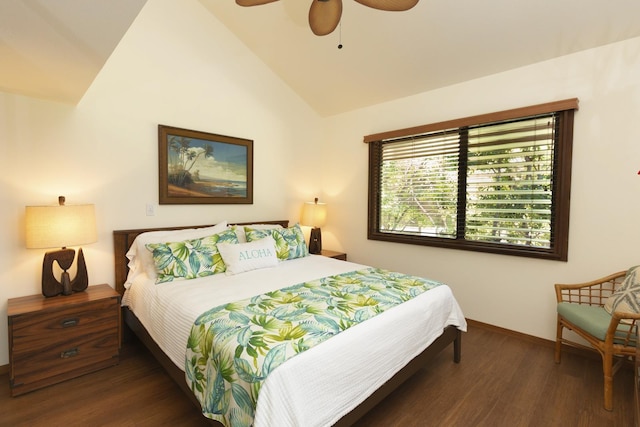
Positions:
{"x": 519, "y": 335}
{"x": 535, "y": 340}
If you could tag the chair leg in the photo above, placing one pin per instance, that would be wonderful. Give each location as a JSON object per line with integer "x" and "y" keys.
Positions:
{"x": 558, "y": 341}
{"x": 607, "y": 367}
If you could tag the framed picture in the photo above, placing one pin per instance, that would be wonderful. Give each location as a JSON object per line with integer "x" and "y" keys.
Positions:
{"x": 199, "y": 167}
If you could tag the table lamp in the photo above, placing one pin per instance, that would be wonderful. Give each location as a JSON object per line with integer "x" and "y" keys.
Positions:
{"x": 314, "y": 215}
{"x": 58, "y": 227}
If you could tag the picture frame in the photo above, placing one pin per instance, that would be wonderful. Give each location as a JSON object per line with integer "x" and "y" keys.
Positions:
{"x": 204, "y": 168}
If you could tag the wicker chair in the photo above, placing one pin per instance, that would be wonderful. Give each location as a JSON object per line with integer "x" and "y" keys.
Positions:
{"x": 581, "y": 309}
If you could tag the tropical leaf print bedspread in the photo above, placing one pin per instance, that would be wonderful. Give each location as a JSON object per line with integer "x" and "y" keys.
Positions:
{"x": 233, "y": 347}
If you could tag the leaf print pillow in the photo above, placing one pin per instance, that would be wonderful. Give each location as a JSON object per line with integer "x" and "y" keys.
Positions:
{"x": 190, "y": 259}
{"x": 290, "y": 243}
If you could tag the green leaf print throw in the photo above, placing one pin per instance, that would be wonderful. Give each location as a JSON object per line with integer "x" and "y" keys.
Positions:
{"x": 233, "y": 347}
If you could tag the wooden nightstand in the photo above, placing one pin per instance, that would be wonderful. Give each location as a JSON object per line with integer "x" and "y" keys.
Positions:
{"x": 333, "y": 254}
{"x": 55, "y": 339}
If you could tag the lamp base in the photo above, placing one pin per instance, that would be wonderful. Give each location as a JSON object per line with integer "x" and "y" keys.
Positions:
{"x": 315, "y": 241}
{"x": 64, "y": 257}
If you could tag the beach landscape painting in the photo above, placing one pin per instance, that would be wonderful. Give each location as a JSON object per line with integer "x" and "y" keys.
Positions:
{"x": 199, "y": 167}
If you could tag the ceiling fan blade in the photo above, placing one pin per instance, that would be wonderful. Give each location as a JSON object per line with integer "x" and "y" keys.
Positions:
{"x": 324, "y": 16}
{"x": 253, "y": 2}
{"x": 391, "y": 5}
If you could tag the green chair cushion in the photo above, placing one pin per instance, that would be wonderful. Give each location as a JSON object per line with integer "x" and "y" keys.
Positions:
{"x": 592, "y": 319}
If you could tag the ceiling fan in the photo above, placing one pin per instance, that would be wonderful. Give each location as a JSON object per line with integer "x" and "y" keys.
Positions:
{"x": 324, "y": 15}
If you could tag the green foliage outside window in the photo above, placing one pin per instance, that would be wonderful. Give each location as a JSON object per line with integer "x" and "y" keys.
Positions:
{"x": 494, "y": 187}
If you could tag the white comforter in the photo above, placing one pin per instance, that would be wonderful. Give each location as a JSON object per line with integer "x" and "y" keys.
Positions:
{"x": 319, "y": 386}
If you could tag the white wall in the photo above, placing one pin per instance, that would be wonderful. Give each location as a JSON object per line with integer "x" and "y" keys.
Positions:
{"x": 179, "y": 66}
{"x": 513, "y": 292}
{"x": 176, "y": 66}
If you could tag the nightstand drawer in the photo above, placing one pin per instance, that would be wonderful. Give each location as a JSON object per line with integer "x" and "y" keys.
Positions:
{"x": 65, "y": 356}
{"x": 35, "y": 331}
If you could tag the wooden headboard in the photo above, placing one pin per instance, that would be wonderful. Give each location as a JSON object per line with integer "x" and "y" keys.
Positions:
{"x": 123, "y": 239}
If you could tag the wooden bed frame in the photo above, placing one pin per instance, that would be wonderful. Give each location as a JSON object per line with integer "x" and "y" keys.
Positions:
{"x": 123, "y": 239}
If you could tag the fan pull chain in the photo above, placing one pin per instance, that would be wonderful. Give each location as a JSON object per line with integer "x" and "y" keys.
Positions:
{"x": 340, "y": 36}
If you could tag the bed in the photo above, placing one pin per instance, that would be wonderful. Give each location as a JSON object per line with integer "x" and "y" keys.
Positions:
{"x": 163, "y": 327}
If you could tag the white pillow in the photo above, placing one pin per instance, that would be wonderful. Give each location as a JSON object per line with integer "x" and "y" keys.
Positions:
{"x": 242, "y": 238}
{"x": 243, "y": 257}
{"x": 141, "y": 259}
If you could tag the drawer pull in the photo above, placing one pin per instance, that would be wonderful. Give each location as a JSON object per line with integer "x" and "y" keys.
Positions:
{"x": 70, "y": 353}
{"x": 66, "y": 323}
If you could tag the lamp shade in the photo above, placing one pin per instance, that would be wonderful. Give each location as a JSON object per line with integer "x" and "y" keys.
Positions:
{"x": 60, "y": 226}
{"x": 314, "y": 214}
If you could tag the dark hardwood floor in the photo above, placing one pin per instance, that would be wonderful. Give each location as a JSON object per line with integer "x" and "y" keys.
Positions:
{"x": 502, "y": 381}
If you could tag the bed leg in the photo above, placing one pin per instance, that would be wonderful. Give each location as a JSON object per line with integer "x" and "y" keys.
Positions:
{"x": 457, "y": 346}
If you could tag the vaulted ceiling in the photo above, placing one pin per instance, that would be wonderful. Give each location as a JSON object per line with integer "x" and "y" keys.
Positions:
{"x": 53, "y": 49}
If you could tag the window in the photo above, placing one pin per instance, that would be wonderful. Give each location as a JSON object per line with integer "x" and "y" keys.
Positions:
{"x": 495, "y": 183}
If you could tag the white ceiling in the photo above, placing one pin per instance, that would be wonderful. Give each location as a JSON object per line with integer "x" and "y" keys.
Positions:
{"x": 54, "y": 48}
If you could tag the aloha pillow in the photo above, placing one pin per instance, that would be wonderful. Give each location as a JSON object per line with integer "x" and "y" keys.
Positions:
{"x": 253, "y": 255}
{"x": 190, "y": 259}
{"x": 290, "y": 241}
{"x": 627, "y": 297}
